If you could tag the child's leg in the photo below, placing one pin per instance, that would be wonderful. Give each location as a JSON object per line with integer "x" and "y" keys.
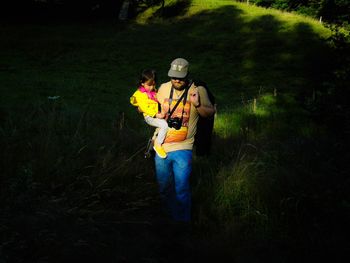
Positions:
{"x": 163, "y": 129}
{"x": 162, "y": 125}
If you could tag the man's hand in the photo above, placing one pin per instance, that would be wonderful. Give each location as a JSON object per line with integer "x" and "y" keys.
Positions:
{"x": 160, "y": 115}
{"x": 203, "y": 110}
{"x": 194, "y": 97}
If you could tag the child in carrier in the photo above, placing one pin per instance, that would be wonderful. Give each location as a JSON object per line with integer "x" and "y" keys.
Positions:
{"x": 145, "y": 99}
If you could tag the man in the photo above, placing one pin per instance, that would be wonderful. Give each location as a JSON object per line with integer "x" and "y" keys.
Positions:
{"x": 173, "y": 172}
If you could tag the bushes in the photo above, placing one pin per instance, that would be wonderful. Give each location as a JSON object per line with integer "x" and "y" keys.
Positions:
{"x": 332, "y": 11}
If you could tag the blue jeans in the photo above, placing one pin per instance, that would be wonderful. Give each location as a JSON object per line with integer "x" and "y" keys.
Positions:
{"x": 173, "y": 175}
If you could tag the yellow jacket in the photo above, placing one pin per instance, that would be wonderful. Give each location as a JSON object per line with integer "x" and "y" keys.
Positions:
{"x": 148, "y": 106}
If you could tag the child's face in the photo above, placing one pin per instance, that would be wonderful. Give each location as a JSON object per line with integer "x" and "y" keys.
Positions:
{"x": 149, "y": 85}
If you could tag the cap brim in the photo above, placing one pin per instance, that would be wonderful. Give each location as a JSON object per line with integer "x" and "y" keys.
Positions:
{"x": 176, "y": 74}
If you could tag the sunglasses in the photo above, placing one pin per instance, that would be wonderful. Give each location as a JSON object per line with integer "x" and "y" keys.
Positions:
{"x": 179, "y": 79}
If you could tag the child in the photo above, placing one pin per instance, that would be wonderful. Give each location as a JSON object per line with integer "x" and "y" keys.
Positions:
{"x": 145, "y": 99}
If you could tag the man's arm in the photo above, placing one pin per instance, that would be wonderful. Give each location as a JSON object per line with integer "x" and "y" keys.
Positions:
{"x": 206, "y": 111}
{"x": 200, "y": 101}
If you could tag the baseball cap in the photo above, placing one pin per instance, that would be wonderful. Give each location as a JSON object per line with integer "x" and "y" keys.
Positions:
{"x": 178, "y": 68}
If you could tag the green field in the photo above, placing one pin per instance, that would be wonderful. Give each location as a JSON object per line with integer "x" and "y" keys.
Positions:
{"x": 75, "y": 184}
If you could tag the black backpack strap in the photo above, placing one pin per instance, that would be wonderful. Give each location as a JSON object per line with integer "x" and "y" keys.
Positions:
{"x": 183, "y": 96}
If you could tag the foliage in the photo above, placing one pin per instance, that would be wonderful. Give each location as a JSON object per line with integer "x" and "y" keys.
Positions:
{"x": 333, "y": 11}
{"x": 59, "y": 10}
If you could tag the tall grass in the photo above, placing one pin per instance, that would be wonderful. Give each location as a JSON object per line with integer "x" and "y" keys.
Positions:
{"x": 75, "y": 183}
{"x": 277, "y": 186}
{"x": 63, "y": 174}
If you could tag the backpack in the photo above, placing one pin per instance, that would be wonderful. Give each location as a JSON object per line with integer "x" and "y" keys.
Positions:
{"x": 203, "y": 137}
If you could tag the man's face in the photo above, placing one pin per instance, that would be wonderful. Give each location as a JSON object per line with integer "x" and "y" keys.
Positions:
{"x": 178, "y": 83}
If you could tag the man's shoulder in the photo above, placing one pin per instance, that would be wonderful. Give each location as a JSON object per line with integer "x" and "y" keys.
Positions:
{"x": 204, "y": 90}
{"x": 164, "y": 90}
{"x": 164, "y": 86}
{"x": 201, "y": 89}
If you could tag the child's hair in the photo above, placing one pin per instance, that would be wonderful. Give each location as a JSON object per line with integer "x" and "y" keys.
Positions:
{"x": 147, "y": 75}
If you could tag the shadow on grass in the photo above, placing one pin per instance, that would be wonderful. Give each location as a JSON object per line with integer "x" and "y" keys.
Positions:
{"x": 175, "y": 9}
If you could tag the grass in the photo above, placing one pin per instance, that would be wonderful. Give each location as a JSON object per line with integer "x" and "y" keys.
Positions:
{"x": 74, "y": 179}
{"x": 74, "y": 66}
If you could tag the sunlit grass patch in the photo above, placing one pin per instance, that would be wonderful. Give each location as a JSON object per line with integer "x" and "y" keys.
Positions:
{"x": 227, "y": 124}
{"x": 249, "y": 13}
{"x": 232, "y": 123}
